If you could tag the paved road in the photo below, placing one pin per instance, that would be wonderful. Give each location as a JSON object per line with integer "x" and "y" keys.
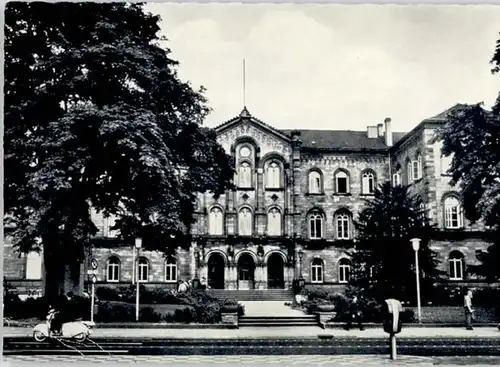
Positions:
{"x": 342, "y": 360}
{"x": 276, "y": 332}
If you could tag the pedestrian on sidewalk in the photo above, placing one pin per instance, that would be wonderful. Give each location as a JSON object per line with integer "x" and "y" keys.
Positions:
{"x": 469, "y": 312}
{"x": 355, "y": 314}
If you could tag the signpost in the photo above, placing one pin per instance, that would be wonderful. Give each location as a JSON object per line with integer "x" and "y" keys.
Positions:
{"x": 93, "y": 272}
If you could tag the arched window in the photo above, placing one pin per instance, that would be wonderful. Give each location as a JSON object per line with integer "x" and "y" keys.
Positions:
{"x": 368, "y": 183}
{"x": 216, "y": 222}
{"x": 452, "y": 213}
{"x": 143, "y": 269}
{"x": 315, "y": 225}
{"x": 317, "y": 271}
{"x": 274, "y": 222}
{"x": 33, "y": 265}
{"x": 245, "y": 222}
{"x": 456, "y": 263}
{"x": 245, "y": 175}
{"x": 341, "y": 182}
{"x": 170, "y": 269}
{"x": 273, "y": 176}
{"x": 344, "y": 270}
{"x": 343, "y": 225}
{"x": 315, "y": 184}
{"x": 113, "y": 274}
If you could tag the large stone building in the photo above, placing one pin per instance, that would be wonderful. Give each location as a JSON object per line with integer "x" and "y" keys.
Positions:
{"x": 291, "y": 215}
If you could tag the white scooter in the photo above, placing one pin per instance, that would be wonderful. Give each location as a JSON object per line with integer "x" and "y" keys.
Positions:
{"x": 75, "y": 330}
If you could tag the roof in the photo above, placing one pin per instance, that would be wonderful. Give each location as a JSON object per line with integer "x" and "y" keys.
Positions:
{"x": 338, "y": 139}
{"x": 442, "y": 117}
{"x": 342, "y": 139}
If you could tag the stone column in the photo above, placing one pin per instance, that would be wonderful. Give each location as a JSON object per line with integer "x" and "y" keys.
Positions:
{"x": 260, "y": 189}
{"x": 232, "y": 279}
{"x": 204, "y": 272}
{"x": 227, "y": 277}
{"x": 192, "y": 260}
{"x": 263, "y": 276}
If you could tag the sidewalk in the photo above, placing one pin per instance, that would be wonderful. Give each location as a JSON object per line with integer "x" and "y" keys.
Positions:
{"x": 274, "y": 332}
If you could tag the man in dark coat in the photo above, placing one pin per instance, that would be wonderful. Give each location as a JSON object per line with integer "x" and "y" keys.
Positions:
{"x": 65, "y": 313}
{"x": 355, "y": 314}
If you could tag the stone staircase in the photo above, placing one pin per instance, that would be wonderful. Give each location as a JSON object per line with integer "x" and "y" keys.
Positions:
{"x": 284, "y": 295}
{"x": 274, "y": 321}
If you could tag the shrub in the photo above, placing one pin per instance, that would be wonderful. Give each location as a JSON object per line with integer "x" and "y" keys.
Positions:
{"x": 108, "y": 294}
{"x": 208, "y": 313}
{"x": 408, "y": 316}
{"x": 115, "y": 312}
{"x": 201, "y": 307}
{"x": 148, "y": 314}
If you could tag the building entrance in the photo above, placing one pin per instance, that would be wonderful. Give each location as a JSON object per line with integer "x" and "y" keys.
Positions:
{"x": 275, "y": 272}
{"x": 216, "y": 271}
{"x": 246, "y": 272}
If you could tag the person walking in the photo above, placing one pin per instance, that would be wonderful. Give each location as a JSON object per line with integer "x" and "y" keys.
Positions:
{"x": 468, "y": 310}
{"x": 355, "y": 314}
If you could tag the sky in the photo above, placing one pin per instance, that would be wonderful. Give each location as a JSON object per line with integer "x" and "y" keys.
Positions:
{"x": 329, "y": 66}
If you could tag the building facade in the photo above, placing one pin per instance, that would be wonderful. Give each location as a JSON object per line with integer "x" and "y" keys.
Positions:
{"x": 291, "y": 214}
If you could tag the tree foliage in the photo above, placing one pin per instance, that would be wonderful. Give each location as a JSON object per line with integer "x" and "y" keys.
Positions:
{"x": 384, "y": 259}
{"x": 96, "y": 116}
{"x": 471, "y": 136}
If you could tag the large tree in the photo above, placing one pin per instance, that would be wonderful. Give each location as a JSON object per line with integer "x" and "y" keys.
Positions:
{"x": 384, "y": 260}
{"x": 97, "y": 117}
{"x": 471, "y": 136}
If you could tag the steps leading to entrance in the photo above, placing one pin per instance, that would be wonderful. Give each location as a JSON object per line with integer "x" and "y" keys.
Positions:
{"x": 284, "y": 295}
{"x": 272, "y": 321}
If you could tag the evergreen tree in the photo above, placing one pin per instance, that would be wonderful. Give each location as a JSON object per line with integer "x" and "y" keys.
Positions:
{"x": 97, "y": 117}
{"x": 384, "y": 260}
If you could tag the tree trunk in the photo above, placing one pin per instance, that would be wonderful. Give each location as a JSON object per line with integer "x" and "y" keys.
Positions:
{"x": 62, "y": 274}
{"x": 54, "y": 272}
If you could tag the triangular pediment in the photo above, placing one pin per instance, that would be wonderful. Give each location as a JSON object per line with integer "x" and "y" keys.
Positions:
{"x": 246, "y": 121}
{"x": 245, "y": 125}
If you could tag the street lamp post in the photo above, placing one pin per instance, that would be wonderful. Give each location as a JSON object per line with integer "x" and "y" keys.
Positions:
{"x": 138, "y": 245}
{"x": 415, "y": 242}
{"x": 92, "y": 300}
{"x": 301, "y": 279}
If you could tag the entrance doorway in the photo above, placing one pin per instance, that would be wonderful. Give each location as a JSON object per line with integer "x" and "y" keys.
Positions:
{"x": 275, "y": 272}
{"x": 246, "y": 272}
{"x": 216, "y": 271}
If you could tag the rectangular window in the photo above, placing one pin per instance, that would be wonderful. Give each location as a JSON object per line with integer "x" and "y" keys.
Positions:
{"x": 396, "y": 179}
{"x": 342, "y": 185}
{"x": 316, "y": 274}
{"x": 171, "y": 273}
{"x": 344, "y": 274}
{"x": 315, "y": 227}
{"x": 415, "y": 170}
{"x": 456, "y": 269}
{"x": 452, "y": 217}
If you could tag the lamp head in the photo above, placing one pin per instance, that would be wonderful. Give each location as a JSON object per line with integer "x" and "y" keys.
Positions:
{"x": 415, "y": 242}
{"x": 138, "y": 243}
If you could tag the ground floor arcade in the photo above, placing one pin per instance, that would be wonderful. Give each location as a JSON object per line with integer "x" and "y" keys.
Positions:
{"x": 247, "y": 271}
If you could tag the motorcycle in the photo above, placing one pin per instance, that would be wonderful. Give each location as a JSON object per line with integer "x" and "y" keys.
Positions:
{"x": 75, "y": 330}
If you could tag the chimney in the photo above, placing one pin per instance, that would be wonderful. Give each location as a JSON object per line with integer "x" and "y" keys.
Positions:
{"x": 380, "y": 129}
{"x": 388, "y": 132}
{"x": 372, "y": 131}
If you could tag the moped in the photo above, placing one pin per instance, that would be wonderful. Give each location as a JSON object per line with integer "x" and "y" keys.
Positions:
{"x": 74, "y": 330}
